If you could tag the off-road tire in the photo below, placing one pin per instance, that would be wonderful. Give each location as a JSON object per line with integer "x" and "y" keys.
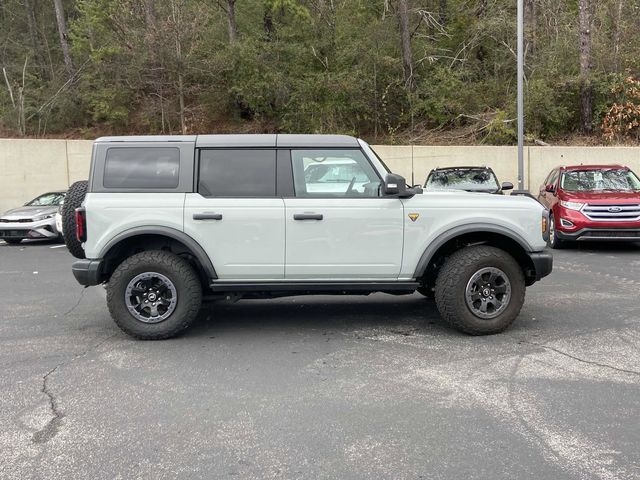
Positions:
{"x": 13, "y": 241}
{"x": 452, "y": 282}
{"x": 72, "y": 200}
{"x": 182, "y": 275}
{"x": 555, "y": 242}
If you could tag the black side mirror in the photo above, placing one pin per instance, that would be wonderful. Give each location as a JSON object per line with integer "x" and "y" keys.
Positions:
{"x": 507, "y": 186}
{"x": 394, "y": 185}
{"x": 550, "y": 188}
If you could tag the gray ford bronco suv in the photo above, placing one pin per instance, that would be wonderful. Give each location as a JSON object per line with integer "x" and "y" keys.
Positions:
{"x": 165, "y": 221}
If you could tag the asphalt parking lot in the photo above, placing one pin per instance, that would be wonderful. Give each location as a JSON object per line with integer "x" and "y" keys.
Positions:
{"x": 323, "y": 387}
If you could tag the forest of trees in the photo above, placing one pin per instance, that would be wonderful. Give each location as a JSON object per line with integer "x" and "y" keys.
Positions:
{"x": 386, "y": 70}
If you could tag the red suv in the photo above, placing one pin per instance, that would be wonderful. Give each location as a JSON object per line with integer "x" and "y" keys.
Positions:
{"x": 592, "y": 202}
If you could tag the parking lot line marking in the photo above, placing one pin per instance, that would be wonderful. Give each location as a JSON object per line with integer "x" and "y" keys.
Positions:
{"x": 58, "y": 246}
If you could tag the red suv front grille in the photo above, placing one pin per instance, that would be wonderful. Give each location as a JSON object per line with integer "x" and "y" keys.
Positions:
{"x": 612, "y": 212}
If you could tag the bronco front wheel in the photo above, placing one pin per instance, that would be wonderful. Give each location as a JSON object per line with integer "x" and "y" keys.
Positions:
{"x": 154, "y": 295}
{"x": 480, "y": 290}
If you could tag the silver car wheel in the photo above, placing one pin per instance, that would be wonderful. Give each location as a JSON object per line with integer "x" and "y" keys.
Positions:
{"x": 488, "y": 293}
{"x": 151, "y": 297}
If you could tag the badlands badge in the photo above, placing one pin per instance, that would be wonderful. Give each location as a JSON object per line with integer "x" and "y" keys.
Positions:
{"x": 414, "y": 216}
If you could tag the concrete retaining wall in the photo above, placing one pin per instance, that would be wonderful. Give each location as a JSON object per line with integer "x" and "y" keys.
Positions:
{"x": 31, "y": 167}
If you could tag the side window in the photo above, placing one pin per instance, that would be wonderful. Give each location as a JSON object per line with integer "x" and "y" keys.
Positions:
{"x": 333, "y": 173}
{"x": 554, "y": 177}
{"x": 237, "y": 173}
{"x": 142, "y": 167}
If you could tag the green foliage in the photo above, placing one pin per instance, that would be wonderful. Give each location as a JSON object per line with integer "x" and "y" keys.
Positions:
{"x": 143, "y": 66}
{"x": 550, "y": 107}
{"x": 500, "y": 130}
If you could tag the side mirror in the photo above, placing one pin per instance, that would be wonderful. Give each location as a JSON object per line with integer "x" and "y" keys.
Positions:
{"x": 507, "y": 186}
{"x": 550, "y": 188}
{"x": 394, "y": 185}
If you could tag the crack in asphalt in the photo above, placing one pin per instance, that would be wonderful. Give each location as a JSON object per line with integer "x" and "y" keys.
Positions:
{"x": 77, "y": 303}
{"x": 50, "y": 430}
{"x": 581, "y": 360}
{"x": 52, "y": 427}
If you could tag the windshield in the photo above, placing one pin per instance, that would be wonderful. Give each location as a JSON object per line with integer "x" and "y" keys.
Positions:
{"x": 470, "y": 180}
{"x": 47, "y": 200}
{"x": 600, "y": 180}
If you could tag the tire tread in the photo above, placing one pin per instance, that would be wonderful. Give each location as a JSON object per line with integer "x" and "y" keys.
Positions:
{"x": 180, "y": 267}
{"x": 449, "y": 305}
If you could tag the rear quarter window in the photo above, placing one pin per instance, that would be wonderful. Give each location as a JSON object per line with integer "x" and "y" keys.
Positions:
{"x": 142, "y": 167}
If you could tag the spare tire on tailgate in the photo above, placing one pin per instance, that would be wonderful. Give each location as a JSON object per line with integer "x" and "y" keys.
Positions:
{"x": 73, "y": 200}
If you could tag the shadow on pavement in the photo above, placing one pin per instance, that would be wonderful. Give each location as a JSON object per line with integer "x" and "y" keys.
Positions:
{"x": 312, "y": 313}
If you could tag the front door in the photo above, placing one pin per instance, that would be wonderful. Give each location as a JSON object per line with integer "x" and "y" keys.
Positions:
{"x": 338, "y": 227}
{"x": 235, "y": 214}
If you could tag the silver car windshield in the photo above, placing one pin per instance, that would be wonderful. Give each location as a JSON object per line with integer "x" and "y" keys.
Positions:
{"x": 50, "y": 199}
{"x": 480, "y": 179}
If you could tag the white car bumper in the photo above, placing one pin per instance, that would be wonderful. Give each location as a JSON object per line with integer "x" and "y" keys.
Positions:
{"x": 22, "y": 229}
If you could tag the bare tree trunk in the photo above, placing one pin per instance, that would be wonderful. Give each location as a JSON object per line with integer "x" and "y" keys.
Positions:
{"x": 267, "y": 23}
{"x": 64, "y": 36}
{"x": 179, "y": 66}
{"x": 33, "y": 36}
{"x": 231, "y": 21}
{"x": 481, "y": 9}
{"x": 530, "y": 21}
{"x": 586, "y": 93}
{"x": 229, "y": 8}
{"x": 405, "y": 45}
{"x": 616, "y": 36}
{"x": 443, "y": 12}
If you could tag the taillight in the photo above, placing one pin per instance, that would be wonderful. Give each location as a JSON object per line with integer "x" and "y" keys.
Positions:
{"x": 81, "y": 224}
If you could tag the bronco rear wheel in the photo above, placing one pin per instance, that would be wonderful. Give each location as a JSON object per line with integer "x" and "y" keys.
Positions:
{"x": 480, "y": 290}
{"x": 154, "y": 295}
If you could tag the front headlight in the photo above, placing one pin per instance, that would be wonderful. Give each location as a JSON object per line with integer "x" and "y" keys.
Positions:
{"x": 572, "y": 205}
{"x": 43, "y": 217}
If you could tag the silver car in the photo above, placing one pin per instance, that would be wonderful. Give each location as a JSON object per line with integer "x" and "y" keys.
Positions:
{"x": 35, "y": 220}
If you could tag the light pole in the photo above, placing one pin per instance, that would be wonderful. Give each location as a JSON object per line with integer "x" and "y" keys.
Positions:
{"x": 520, "y": 101}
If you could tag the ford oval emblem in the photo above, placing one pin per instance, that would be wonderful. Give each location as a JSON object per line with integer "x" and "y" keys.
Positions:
{"x": 615, "y": 209}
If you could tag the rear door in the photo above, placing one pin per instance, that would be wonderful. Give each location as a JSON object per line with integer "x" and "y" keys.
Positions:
{"x": 338, "y": 227}
{"x": 235, "y": 214}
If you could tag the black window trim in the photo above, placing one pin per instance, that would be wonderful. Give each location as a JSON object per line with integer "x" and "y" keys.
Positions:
{"x": 284, "y": 188}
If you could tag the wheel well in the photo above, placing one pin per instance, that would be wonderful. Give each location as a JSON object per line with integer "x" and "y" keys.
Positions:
{"x": 512, "y": 247}
{"x": 139, "y": 243}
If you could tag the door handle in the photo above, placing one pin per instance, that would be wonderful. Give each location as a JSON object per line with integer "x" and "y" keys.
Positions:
{"x": 207, "y": 216}
{"x": 307, "y": 216}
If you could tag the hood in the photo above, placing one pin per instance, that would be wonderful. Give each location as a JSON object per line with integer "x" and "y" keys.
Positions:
{"x": 474, "y": 200}
{"x": 601, "y": 197}
{"x": 30, "y": 212}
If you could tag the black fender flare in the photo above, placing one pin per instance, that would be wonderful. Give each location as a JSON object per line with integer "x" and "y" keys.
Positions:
{"x": 454, "y": 232}
{"x": 195, "y": 248}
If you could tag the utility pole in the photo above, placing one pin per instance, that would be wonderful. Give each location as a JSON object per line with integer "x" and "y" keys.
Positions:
{"x": 520, "y": 94}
